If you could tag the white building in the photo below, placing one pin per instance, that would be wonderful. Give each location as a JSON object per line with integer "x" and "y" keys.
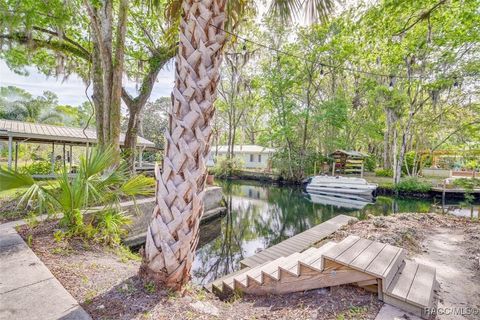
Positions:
{"x": 252, "y": 156}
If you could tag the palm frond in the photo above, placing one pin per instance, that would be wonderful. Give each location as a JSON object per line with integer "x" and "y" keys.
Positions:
{"x": 34, "y": 193}
{"x": 10, "y": 179}
{"x": 97, "y": 161}
{"x": 285, "y": 10}
{"x": 138, "y": 185}
{"x": 318, "y": 10}
{"x": 312, "y": 10}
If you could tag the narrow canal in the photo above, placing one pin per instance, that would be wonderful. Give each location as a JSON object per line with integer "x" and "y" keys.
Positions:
{"x": 259, "y": 216}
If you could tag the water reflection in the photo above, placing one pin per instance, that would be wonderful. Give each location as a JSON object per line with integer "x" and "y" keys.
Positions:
{"x": 259, "y": 216}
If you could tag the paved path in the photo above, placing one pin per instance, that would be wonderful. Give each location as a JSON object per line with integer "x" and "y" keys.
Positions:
{"x": 28, "y": 290}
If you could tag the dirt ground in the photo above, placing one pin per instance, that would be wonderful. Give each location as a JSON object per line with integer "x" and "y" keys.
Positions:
{"x": 105, "y": 282}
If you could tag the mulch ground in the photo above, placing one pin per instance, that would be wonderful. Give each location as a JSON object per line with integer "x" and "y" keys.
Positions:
{"x": 105, "y": 281}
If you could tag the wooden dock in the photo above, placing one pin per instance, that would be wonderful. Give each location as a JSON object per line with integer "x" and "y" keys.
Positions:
{"x": 298, "y": 243}
{"x": 456, "y": 190}
{"x": 369, "y": 264}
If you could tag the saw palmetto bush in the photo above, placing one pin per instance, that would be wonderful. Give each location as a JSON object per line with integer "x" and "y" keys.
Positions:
{"x": 98, "y": 182}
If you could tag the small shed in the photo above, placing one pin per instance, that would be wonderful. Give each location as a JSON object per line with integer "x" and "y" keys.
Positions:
{"x": 348, "y": 162}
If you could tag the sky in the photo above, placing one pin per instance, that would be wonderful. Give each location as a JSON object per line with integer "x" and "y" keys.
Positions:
{"x": 72, "y": 91}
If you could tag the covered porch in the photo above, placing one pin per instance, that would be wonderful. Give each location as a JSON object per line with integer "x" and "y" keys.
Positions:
{"x": 17, "y": 132}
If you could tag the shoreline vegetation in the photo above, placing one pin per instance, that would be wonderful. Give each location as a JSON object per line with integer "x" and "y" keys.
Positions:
{"x": 409, "y": 187}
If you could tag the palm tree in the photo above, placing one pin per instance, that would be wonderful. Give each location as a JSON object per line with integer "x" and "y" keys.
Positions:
{"x": 172, "y": 234}
{"x": 98, "y": 182}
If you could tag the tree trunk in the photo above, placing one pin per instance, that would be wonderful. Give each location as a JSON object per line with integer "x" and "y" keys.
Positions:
{"x": 136, "y": 105}
{"x": 386, "y": 141}
{"x": 130, "y": 146}
{"x": 172, "y": 234}
{"x": 107, "y": 69}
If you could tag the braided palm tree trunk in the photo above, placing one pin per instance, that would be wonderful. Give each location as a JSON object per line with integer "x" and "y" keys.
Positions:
{"x": 172, "y": 234}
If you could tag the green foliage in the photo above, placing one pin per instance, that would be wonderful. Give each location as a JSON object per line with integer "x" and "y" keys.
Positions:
{"x": 97, "y": 182}
{"x": 409, "y": 163}
{"x": 473, "y": 165}
{"x": 110, "y": 224}
{"x": 225, "y": 167}
{"x": 412, "y": 185}
{"x": 41, "y": 167}
{"x": 59, "y": 236}
{"x": 384, "y": 173}
{"x": 467, "y": 183}
{"x": 370, "y": 163}
{"x": 125, "y": 254}
{"x": 295, "y": 166}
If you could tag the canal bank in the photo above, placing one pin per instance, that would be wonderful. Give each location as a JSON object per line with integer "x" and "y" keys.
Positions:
{"x": 420, "y": 187}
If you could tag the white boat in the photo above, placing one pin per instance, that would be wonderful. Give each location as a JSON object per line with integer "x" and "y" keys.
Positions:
{"x": 340, "y": 185}
{"x": 344, "y": 201}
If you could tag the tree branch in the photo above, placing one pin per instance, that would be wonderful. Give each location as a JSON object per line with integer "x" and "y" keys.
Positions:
{"x": 67, "y": 39}
{"x": 61, "y": 46}
{"x": 455, "y": 131}
{"x": 424, "y": 15}
{"x": 156, "y": 62}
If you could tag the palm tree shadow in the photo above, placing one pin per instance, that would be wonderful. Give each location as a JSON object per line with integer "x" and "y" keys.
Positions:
{"x": 126, "y": 300}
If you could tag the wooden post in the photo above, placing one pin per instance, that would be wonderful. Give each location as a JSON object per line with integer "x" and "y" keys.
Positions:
{"x": 10, "y": 147}
{"x": 443, "y": 196}
{"x": 333, "y": 167}
{"x": 140, "y": 157}
{"x": 361, "y": 172}
{"x": 52, "y": 158}
{"x": 16, "y": 155}
{"x": 64, "y": 161}
{"x": 70, "y": 158}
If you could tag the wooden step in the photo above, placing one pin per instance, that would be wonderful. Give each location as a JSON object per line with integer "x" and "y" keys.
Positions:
{"x": 341, "y": 247}
{"x": 386, "y": 264}
{"x": 315, "y": 261}
{"x": 375, "y": 258}
{"x": 412, "y": 288}
{"x": 291, "y": 265}
{"x": 271, "y": 273}
{"x": 217, "y": 285}
{"x": 257, "y": 275}
{"x": 240, "y": 280}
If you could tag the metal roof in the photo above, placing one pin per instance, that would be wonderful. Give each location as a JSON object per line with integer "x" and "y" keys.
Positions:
{"x": 351, "y": 153}
{"x": 246, "y": 148}
{"x": 38, "y": 132}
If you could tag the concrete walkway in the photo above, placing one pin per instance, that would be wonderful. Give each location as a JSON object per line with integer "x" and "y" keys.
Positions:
{"x": 28, "y": 290}
{"x": 389, "y": 312}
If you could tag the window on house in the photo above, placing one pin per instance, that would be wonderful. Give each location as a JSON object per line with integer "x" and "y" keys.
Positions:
{"x": 251, "y": 158}
{"x": 259, "y": 158}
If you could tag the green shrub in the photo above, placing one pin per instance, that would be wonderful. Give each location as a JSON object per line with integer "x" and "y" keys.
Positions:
{"x": 472, "y": 165}
{"x": 98, "y": 181}
{"x": 467, "y": 183}
{"x": 225, "y": 167}
{"x": 41, "y": 167}
{"x": 413, "y": 185}
{"x": 370, "y": 163}
{"x": 110, "y": 225}
{"x": 384, "y": 173}
{"x": 409, "y": 163}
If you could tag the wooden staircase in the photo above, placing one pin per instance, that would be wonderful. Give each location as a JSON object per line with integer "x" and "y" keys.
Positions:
{"x": 369, "y": 264}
